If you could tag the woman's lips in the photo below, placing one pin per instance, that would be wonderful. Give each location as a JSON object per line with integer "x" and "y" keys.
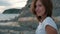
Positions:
{"x": 38, "y": 11}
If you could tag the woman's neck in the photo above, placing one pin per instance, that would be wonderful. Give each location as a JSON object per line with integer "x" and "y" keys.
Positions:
{"x": 42, "y": 18}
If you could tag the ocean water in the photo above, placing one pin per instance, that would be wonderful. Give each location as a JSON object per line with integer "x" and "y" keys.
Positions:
{"x": 8, "y": 16}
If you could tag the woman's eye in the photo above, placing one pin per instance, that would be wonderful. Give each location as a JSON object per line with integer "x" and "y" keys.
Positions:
{"x": 38, "y": 5}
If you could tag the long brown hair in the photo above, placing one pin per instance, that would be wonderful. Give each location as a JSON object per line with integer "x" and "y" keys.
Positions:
{"x": 47, "y": 4}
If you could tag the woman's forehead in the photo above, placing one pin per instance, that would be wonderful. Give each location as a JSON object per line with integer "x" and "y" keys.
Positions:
{"x": 38, "y": 2}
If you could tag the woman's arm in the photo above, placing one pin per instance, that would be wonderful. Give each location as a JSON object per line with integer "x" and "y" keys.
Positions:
{"x": 50, "y": 30}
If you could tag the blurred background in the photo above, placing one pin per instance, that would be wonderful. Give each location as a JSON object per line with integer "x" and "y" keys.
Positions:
{"x": 16, "y": 18}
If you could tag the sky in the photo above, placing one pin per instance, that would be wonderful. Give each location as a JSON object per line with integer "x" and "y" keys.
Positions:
{"x": 6, "y": 4}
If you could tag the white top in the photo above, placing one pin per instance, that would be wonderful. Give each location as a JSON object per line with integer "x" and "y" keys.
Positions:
{"x": 41, "y": 27}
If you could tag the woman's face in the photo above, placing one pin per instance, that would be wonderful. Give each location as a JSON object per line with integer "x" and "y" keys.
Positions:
{"x": 40, "y": 9}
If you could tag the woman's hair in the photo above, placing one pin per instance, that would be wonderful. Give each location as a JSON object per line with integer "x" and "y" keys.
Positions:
{"x": 47, "y": 4}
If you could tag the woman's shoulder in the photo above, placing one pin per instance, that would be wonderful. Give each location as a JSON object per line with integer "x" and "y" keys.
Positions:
{"x": 49, "y": 21}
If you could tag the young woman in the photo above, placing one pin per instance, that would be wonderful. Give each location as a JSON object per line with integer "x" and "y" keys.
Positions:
{"x": 42, "y": 9}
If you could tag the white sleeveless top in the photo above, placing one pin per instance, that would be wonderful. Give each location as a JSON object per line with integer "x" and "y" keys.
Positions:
{"x": 41, "y": 27}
